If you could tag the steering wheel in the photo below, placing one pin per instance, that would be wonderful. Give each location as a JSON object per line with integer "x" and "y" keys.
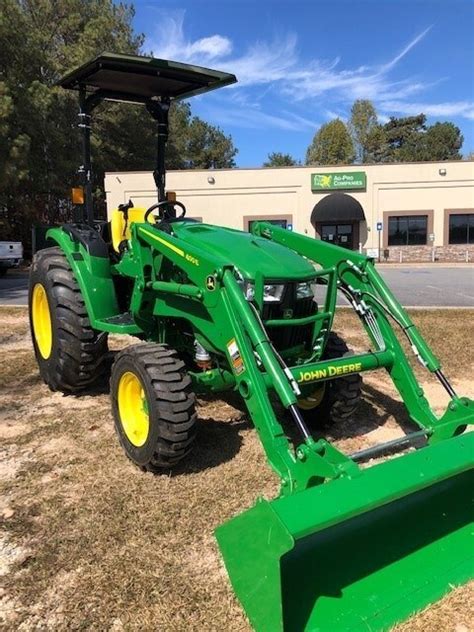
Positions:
{"x": 165, "y": 203}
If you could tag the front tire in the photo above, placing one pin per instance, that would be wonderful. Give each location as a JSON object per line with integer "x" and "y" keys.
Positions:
{"x": 70, "y": 354}
{"x": 334, "y": 400}
{"x": 153, "y": 406}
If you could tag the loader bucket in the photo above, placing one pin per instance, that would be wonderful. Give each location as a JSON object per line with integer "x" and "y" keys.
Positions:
{"x": 357, "y": 553}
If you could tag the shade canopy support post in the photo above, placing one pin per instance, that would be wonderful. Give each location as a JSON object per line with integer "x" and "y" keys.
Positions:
{"x": 159, "y": 110}
{"x": 86, "y": 105}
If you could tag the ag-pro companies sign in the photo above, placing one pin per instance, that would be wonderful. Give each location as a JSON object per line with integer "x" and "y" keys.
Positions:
{"x": 340, "y": 180}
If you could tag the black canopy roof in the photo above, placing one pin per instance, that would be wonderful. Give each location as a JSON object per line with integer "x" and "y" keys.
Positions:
{"x": 337, "y": 207}
{"x": 137, "y": 79}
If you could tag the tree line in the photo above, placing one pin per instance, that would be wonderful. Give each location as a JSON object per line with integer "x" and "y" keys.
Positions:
{"x": 41, "y": 40}
{"x": 364, "y": 139}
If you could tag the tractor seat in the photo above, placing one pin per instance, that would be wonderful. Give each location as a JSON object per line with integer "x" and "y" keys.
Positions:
{"x": 119, "y": 229}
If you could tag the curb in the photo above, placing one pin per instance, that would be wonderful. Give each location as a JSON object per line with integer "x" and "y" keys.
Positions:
{"x": 423, "y": 307}
{"x": 427, "y": 265}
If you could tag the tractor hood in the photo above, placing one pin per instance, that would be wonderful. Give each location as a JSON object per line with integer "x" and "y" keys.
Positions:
{"x": 248, "y": 253}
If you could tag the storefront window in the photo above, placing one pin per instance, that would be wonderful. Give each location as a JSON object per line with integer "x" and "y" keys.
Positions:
{"x": 461, "y": 228}
{"x": 407, "y": 230}
{"x": 283, "y": 223}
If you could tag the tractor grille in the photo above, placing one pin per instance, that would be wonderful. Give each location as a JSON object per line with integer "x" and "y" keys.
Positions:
{"x": 287, "y": 337}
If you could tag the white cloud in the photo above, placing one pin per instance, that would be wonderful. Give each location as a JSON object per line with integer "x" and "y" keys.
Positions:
{"x": 169, "y": 42}
{"x": 405, "y": 50}
{"x": 332, "y": 114}
{"x": 364, "y": 82}
{"x": 211, "y": 47}
{"x": 278, "y": 62}
{"x": 383, "y": 118}
{"x": 450, "y": 108}
{"x": 303, "y": 120}
{"x": 265, "y": 62}
{"x": 251, "y": 118}
{"x": 277, "y": 66}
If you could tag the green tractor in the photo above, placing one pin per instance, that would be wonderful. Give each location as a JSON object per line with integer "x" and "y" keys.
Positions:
{"x": 343, "y": 547}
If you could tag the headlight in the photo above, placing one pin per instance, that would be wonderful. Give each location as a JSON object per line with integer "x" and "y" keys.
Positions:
{"x": 272, "y": 293}
{"x": 248, "y": 289}
{"x": 304, "y": 290}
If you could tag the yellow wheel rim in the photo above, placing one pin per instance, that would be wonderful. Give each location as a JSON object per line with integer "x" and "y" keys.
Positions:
{"x": 133, "y": 409}
{"x": 41, "y": 319}
{"x": 313, "y": 400}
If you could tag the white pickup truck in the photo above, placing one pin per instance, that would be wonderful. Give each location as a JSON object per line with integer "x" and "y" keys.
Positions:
{"x": 11, "y": 255}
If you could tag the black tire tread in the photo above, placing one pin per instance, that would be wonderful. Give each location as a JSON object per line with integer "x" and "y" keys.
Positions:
{"x": 80, "y": 350}
{"x": 174, "y": 402}
{"x": 343, "y": 394}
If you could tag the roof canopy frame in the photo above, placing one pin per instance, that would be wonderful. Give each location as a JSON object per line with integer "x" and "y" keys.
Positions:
{"x": 137, "y": 79}
{"x": 154, "y": 83}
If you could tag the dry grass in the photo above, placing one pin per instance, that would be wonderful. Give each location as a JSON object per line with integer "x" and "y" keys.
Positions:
{"x": 449, "y": 333}
{"x": 454, "y": 612}
{"x": 89, "y": 542}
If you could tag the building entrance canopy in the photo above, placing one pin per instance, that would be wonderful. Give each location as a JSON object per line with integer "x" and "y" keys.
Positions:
{"x": 337, "y": 208}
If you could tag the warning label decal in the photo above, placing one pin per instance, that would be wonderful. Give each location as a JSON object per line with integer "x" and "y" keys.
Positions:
{"x": 235, "y": 357}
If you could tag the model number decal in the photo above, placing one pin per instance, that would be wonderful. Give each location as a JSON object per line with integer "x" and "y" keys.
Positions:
{"x": 171, "y": 246}
{"x": 192, "y": 259}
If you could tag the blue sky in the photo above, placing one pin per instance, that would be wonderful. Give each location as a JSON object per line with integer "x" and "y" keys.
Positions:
{"x": 300, "y": 63}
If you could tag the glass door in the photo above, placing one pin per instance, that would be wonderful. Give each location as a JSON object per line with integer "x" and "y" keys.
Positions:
{"x": 339, "y": 234}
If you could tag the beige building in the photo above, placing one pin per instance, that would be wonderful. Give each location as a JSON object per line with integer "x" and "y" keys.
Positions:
{"x": 414, "y": 212}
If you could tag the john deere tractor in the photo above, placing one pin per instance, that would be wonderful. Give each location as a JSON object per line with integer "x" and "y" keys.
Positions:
{"x": 343, "y": 547}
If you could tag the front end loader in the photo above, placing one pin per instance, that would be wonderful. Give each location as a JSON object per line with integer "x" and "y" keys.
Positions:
{"x": 344, "y": 546}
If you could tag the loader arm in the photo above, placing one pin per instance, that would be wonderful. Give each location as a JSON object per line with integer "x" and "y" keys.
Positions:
{"x": 356, "y": 276}
{"x": 254, "y": 367}
{"x": 369, "y": 546}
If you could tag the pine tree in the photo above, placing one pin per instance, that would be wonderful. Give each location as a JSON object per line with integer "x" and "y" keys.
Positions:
{"x": 331, "y": 145}
{"x": 362, "y": 126}
{"x": 278, "y": 159}
{"x": 40, "y": 40}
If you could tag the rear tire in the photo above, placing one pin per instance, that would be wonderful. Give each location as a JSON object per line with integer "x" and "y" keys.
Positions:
{"x": 153, "y": 406}
{"x": 342, "y": 395}
{"x": 70, "y": 354}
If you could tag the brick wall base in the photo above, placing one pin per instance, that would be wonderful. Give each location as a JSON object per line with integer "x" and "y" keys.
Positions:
{"x": 408, "y": 254}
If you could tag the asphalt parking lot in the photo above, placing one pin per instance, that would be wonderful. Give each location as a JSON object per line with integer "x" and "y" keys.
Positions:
{"x": 431, "y": 285}
{"x": 14, "y": 288}
{"x": 414, "y": 286}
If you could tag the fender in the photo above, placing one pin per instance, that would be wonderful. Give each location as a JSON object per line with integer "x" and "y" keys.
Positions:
{"x": 87, "y": 255}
